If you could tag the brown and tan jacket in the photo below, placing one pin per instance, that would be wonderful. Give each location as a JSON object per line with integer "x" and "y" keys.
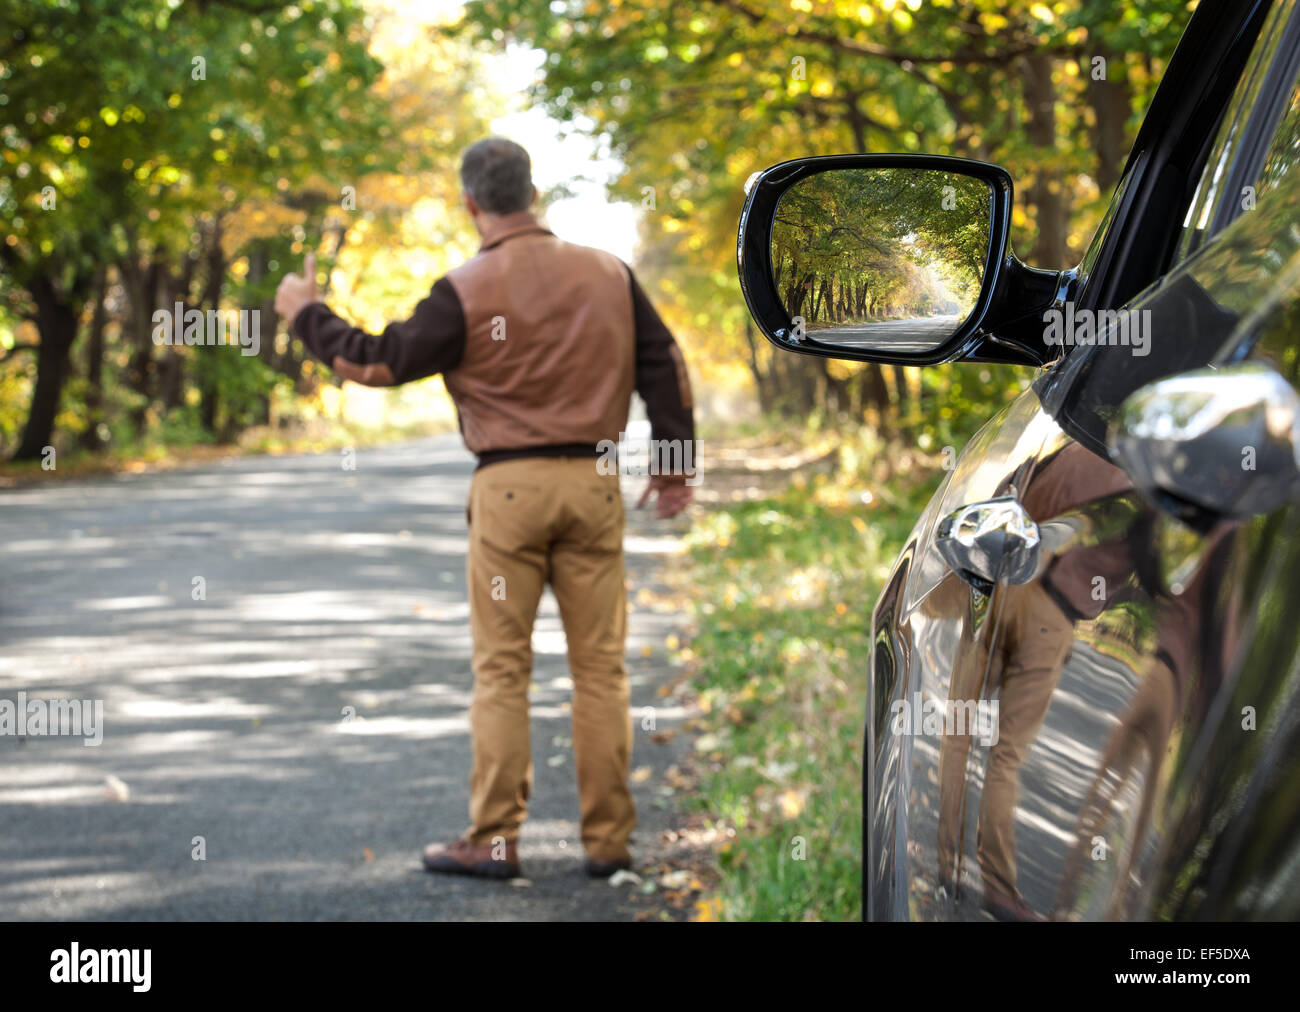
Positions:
{"x": 541, "y": 343}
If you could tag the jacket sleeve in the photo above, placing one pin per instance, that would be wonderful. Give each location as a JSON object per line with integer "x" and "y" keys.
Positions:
{"x": 431, "y": 341}
{"x": 661, "y": 377}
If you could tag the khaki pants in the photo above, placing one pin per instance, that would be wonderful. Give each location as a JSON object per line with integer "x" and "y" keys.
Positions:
{"x": 534, "y": 521}
{"x": 1143, "y": 733}
{"x": 1034, "y": 642}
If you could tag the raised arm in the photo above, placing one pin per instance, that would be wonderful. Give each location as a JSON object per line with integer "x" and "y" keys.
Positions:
{"x": 431, "y": 341}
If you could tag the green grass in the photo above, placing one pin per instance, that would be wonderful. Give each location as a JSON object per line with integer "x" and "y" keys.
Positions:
{"x": 783, "y": 591}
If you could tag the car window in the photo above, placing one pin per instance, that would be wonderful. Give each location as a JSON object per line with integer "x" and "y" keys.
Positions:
{"x": 1257, "y": 146}
{"x": 1284, "y": 153}
{"x": 1136, "y": 243}
{"x": 1233, "y": 177}
{"x": 1094, "y": 248}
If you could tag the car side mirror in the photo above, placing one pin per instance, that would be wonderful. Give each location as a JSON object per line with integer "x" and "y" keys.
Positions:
{"x": 884, "y": 258}
{"x": 1219, "y": 442}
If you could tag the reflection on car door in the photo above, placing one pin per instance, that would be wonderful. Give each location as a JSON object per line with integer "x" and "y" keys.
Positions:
{"x": 927, "y": 614}
{"x": 1122, "y": 697}
{"x": 1141, "y": 679}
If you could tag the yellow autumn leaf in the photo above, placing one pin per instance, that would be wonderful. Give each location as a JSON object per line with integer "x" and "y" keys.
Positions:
{"x": 792, "y": 803}
{"x": 707, "y": 909}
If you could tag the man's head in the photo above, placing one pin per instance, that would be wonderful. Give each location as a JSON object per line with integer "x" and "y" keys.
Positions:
{"x": 497, "y": 177}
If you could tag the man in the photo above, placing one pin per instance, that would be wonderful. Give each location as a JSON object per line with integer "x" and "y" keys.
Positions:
{"x": 541, "y": 343}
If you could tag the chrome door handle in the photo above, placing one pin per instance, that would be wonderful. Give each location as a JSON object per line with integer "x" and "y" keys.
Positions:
{"x": 990, "y": 542}
{"x": 1212, "y": 443}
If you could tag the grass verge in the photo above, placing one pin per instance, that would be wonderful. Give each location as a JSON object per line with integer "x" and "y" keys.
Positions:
{"x": 783, "y": 590}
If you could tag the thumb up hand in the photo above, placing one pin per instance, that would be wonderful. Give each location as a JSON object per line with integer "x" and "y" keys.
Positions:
{"x": 294, "y": 292}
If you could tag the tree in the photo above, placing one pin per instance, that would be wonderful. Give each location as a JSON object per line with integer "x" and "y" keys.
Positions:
{"x": 179, "y": 153}
{"x": 697, "y": 97}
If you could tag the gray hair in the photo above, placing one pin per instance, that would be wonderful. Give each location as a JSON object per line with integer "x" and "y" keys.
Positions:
{"x": 497, "y": 173}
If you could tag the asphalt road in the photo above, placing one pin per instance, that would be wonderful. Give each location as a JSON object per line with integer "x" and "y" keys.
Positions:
{"x": 329, "y": 594}
{"x": 920, "y": 334}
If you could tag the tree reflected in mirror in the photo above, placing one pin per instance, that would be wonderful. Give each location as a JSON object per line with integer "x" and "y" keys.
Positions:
{"x": 888, "y": 258}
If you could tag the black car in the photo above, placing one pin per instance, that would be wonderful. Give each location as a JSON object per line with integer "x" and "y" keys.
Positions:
{"x": 1084, "y": 692}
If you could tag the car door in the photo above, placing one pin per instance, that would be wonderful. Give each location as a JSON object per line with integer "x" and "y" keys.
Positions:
{"x": 1221, "y": 832}
{"x": 1108, "y": 676}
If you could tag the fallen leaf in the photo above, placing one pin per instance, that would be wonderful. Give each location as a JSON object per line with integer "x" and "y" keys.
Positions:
{"x": 116, "y": 788}
{"x": 623, "y": 876}
{"x": 679, "y": 879}
{"x": 707, "y": 909}
{"x": 674, "y": 778}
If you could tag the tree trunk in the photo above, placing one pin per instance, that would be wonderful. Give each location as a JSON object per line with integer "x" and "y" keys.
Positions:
{"x": 900, "y": 390}
{"x": 1111, "y": 101}
{"x": 209, "y": 389}
{"x": 762, "y": 383}
{"x": 91, "y": 438}
{"x": 876, "y": 394}
{"x": 1047, "y": 194}
{"x": 56, "y": 319}
{"x": 142, "y": 289}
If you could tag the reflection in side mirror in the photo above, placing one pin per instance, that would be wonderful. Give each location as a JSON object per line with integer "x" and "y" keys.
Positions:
{"x": 888, "y": 258}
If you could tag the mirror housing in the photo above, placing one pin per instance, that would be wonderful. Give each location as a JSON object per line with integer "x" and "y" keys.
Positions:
{"x": 1185, "y": 441}
{"x": 1012, "y": 297}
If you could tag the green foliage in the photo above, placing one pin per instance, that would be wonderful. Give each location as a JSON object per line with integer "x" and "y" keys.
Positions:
{"x": 783, "y": 592}
{"x": 698, "y": 97}
{"x": 852, "y": 245}
{"x": 158, "y": 153}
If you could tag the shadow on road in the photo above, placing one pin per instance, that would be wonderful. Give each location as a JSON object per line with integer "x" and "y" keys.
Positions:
{"x": 282, "y": 648}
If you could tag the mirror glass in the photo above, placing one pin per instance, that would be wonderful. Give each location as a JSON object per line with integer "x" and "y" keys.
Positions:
{"x": 887, "y": 259}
